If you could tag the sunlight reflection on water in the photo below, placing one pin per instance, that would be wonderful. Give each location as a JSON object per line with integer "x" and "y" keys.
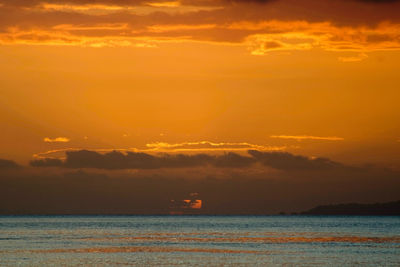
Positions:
{"x": 199, "y": 240}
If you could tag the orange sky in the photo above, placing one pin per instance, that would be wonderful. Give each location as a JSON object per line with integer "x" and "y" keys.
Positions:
{"x": 316, "y": 78}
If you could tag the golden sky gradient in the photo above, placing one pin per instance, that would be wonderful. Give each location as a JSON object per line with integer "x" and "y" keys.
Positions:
{"x": 201, "y": 89}
{"x": 318, "y": 78}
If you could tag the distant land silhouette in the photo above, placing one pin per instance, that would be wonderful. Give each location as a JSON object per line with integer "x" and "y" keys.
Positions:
{"x": 385, "y": 209}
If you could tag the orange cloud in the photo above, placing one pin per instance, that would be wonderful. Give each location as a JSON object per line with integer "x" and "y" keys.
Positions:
{"x": 308, "y": 137}
{"x": 359, "y": 57}
{"x": 56, "y": 140}
{"x": 210, "y": 146}
{"x": 201, "y": 146}
{"x": 164, "y": 4}
{"x": 109, "y": 24}
{"x": 168, "y": 28}
{"x": 138, "y": 8}
{"x": 87, "y": 7}
{"x": 300, "y": 35}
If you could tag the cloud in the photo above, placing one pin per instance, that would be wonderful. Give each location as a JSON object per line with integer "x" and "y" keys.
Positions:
{"x": 46, "y": 162}
{"x": 303, "y": 35}
{"x": 233, "y": 160}
{"x": 184, "y": 147}
{"x": 308, "y": 137}
{"x": 379, "y": 1}
{"x": 290, "y": 162}
{"x": 124, "y": 3}
{"x": 8, "y": 165}
{"x": 357, "y": 58}
{"x": 209, "y": 146}
{"x": 337, "y": 26}
{"x": 116, "y": 160}
{"x": 56, "y": 140}
{"x": 158, "y": 3}
{"x": 137, "y": 160}
{"x": 140, "y": 160}
{"x": 164, "y": 4}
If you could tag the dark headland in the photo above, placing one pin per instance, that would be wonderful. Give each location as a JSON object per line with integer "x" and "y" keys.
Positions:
{"x": 375, "y": 209}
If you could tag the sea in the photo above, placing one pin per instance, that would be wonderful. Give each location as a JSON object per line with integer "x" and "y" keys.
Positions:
{"x": 199, "y": 241}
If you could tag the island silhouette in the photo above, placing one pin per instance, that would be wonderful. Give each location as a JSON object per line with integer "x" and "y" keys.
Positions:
{"x": 375, "y": 209}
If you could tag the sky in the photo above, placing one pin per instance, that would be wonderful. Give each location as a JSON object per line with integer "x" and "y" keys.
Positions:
{"x": 277, "y": 105}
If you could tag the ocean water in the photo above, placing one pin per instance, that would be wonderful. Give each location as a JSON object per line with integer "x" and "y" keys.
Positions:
{"x": 199, "y": 241}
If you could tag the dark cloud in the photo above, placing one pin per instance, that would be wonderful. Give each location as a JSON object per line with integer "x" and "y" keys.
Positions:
{"x": 336, "y": 11}
{"x": 117, "y": 160}
{"x": 233, "y": 160}
{"x": 47, "y": 162}
{"x": 27, "y": 3}
{"x": 249, "y": 1}
{"x": 145, "y": 2}
{"x": 26, "y": 22}
{"x": 287, "y": 161}
{"x": 31, "y": 3}
{"x": 379, "y": 1}
{"x": 8, "y": 164}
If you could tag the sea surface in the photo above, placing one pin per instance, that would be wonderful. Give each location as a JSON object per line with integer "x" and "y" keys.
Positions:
{"x": 199, "y": 241}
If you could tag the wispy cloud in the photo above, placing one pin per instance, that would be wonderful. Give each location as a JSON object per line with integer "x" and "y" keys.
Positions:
{"x": 164, "y": 4}
{"x": 56, "y": 140}
{"x": 359, "y": 57}
{"x": 200, "y": 146}
{"x": 308, "y": 137}
{"x": 210, "y": 146}
{"x": 261, "y": 28}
